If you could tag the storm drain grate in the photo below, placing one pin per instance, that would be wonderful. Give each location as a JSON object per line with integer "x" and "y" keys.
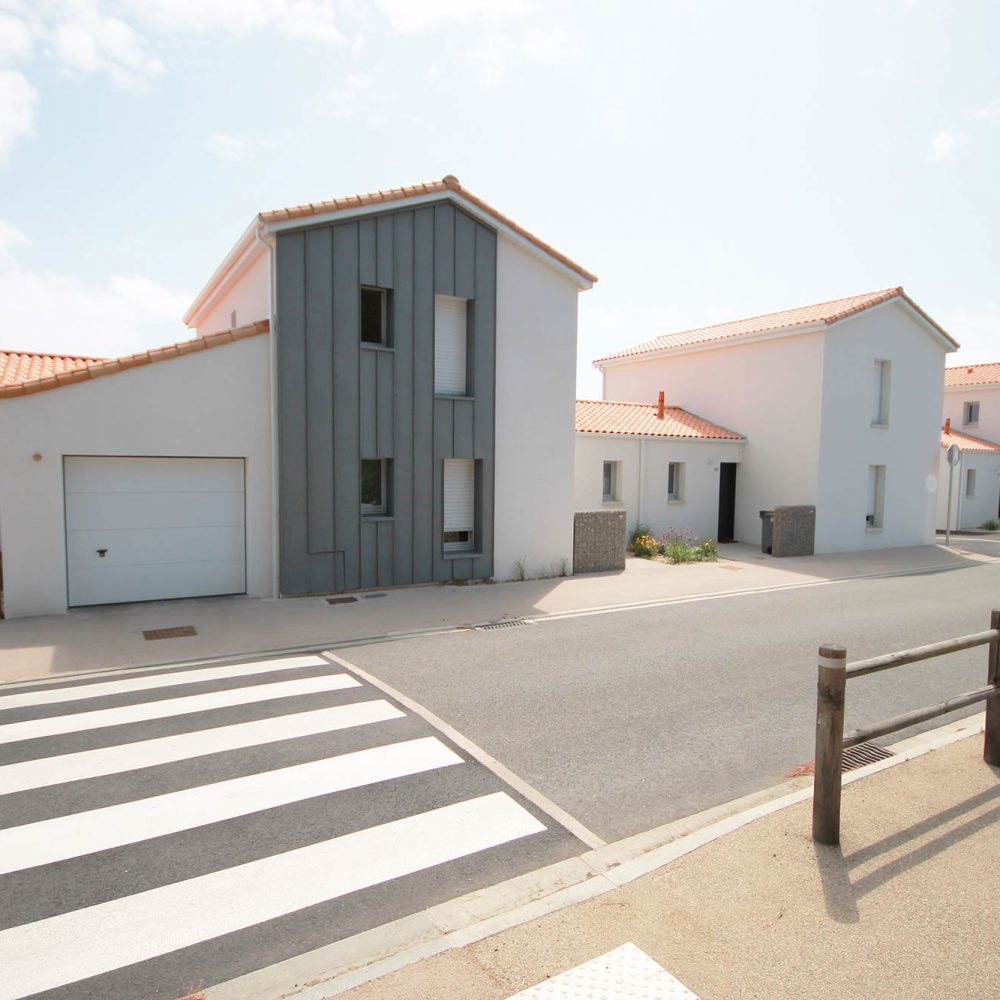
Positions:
{"x": 510, "y": 623}
{"x": 371, "y": 597}
{"x": 341, "y": 600}
{"x": 178, "y": 632}
{"x": 862, "y": 754}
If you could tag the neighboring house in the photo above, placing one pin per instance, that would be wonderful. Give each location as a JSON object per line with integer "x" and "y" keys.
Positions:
{"x": 975, "y": 482}
{"x": 669, "y": 469}
{"x": 839, "y": 402}
{"x": 381, "y": 392}
{"x": 972, "y": 399}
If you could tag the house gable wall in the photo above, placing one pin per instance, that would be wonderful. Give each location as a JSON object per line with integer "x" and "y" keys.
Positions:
{"x": 988, "y": 397}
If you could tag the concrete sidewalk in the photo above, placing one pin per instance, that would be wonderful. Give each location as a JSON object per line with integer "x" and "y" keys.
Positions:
{"x": 112, "y": 636}
{"x": 900, "y": 910}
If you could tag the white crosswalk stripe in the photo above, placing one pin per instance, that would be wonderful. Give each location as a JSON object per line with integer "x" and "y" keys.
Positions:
{"x": 226, "y": 836}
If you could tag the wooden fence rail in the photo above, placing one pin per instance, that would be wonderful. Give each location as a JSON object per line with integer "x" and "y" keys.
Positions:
{"x": 834, "y": 673}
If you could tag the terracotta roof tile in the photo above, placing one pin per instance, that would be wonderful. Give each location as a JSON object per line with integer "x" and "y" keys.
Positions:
{"x": 602, "y": 416}
{"x": 447, "y": 184}
{"x": 962, "y": 375}
{"x": 21, "y": 366}
{"x": 787, "y": 319}
{"x": 967, "y": 442}
{"x": 41, "y": 376}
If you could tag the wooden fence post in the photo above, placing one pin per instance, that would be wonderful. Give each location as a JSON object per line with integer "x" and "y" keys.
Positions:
{"x": 829, "y": 743}
{"x": 991, "y": 744}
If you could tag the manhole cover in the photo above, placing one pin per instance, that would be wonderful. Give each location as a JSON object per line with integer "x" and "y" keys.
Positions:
{"x": 510, "y": 623}
{"x": 178, "y": 632}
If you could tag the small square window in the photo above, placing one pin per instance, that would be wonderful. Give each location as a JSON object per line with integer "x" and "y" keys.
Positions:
{"x": 374, "y": 316}
{"x": 970, "y": 416}
{"x": 374, "y": 486}
{"x": 675, "y": 481}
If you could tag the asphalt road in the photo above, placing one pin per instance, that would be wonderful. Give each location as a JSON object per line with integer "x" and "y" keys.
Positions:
{"x": 633, "y": 719}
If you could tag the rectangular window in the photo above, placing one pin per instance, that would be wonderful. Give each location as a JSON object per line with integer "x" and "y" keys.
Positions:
{"x": 675, "y": 481}
{"x": 459, "y": 505}
{"x": 374, "y": 486}
{"x": 609, "y": 490}
{"x": 375, "y": 316}
{"x": 451, "y": 345}
{"x": 875, "y": 515}
{"x": 970, "y": 415}
{"x": 880, "y": 400}
{"x": 970, "y": 482}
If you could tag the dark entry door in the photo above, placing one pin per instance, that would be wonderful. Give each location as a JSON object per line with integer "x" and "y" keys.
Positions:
{"x": 727, "y": 501}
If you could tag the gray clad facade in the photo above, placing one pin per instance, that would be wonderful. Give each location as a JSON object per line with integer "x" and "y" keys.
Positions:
{"x": 341, "y": 400}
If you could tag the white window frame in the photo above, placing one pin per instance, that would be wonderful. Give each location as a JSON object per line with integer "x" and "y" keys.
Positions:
{"x": 451, "y": 354}
{"x": 881, "y": 393}
{"x": 970, "y": 483}
{"x": 970, "y": 416}
{"x": 613, "y": 496}
{"x": 461, "y": 545}
{"x": 383, "y": 293}
{"x": 875, "y": 506}
{"x": 377, "y": 509}
{"x": 675, "y": 471}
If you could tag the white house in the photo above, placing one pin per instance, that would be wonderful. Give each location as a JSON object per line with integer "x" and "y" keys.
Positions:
{"x": 972, "y": 399}
{"x": 839, "y": 403}
{"x": 974, "y": 483}
{"x": 669, "y": 469}
{"x": 373, "y": 383}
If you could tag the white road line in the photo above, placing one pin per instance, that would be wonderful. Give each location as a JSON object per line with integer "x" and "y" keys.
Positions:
{"x": 127, "y": 823}
{"x": 504, "y": 773}
{"x": 81, "y": 692}
{"x": 68, "y": 947}
{"x": 169, "y": 749}
{"x": 58, "y": 725}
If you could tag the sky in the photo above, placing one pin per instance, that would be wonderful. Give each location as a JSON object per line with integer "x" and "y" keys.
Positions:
{"x": 707, "y": 160}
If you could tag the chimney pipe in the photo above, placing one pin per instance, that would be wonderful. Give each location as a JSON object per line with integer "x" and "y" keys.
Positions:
{"x": 947, "y": 425}
{"x": 659, "y": 406}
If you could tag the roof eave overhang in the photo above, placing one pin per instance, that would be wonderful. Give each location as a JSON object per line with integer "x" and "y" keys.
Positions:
{"x": 972, "y": 385}
{"x": 915, "y": 313}
{"x": 661, "y": 437}
{"x": 234, "y": 265}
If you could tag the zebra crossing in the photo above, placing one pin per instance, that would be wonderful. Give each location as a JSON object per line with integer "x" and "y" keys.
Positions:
{"x": 165, "y": 830}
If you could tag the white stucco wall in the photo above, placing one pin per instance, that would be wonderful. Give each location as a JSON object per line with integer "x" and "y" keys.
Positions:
{"x": 643, "y": 484}
{"x": 249, "y": 296}
{"x": 215, "y": 403}
{"x": 535, "y": 404}
{"x": 969, "y": 512}
{"x": 988, "y": 398}
{"x": 768, "y": 391}
{"x": 908, "y": 447}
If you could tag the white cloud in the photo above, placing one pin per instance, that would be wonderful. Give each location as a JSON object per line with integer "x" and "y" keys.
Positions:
{"x": 418, "y": 15}
{"x": 948, "y": 144}
{"x": 988, "y": 113}
{"x": 16, "y": 38}
{"x": 10, "y": 237}
{"x": 58, "y": 313}
{"x": 17, "y": 110}
{"x": 353, "y": 98}
{"x": 228, "y": 147}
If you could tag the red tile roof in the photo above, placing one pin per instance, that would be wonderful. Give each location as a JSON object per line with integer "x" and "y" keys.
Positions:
{"x": 42, "y": 378}
{"x": 24, "y": 366}
{"x": 447, "y": 184}
{"x": 962, "y": 375}
{"x": 788, "y": 319}
{"x": 602, "y": 416}
{"x": 967, "y": 442}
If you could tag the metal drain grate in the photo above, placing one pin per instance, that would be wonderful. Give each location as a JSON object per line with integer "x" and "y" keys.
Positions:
{"x": 178, "y": 632}
{"x": 371, "y": 597}
{"x": 864, "y": 753}
{"x": 510, "y": 623}
{"x": 341, "y": 600}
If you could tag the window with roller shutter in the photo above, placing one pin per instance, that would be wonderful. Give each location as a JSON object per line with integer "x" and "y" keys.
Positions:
{"x": 459, "y": 504}
{"x": 450, "y": 346}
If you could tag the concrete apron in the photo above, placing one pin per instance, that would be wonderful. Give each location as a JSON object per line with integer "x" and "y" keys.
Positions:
{"x": 358, "y": 960}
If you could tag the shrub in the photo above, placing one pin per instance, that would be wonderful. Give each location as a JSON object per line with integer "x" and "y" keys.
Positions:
{"x": 645, "y": 547}
{"x": 638, "y": 530}
{"x": 707, "y": 551}
{"x": 680, "y": 547}
{"x": 991, "y": 525}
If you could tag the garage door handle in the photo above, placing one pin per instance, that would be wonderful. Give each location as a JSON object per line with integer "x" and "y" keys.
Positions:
{"x": 102, "y": 552}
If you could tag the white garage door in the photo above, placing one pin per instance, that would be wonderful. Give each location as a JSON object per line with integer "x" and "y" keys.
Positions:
{"x": 145, "y": 529}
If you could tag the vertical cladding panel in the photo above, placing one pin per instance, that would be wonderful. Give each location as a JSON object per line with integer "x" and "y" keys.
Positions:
{"x": 402, "y": 322}
{"x": 384, "y": 239}
{"x": 444, "y": 249}
{"x": 386, "y": 531}
{"x": 462, "y": 569}
{"x": 369, "y": 552}
{"x": 346, "y": 398}
{"x": 483, "y": 345}
{"x": 318, "y": 291}
{"x": 464, "y": 446}
{"x": 384, "y": 389}
{"x": 291, "y": 358}
{"x": 424, "y": 471}
{"x": 369, "y": 403}
{"x": 366, "y": 252}
{"x": 444, "y": 447}
{"x": 465, "y": 256}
